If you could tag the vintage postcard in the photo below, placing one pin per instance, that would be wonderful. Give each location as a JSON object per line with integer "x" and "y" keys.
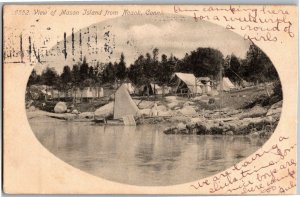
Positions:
{"x": 150, "y": 99}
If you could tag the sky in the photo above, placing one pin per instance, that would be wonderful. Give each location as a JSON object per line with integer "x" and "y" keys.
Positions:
{"x": 136, "y": 36}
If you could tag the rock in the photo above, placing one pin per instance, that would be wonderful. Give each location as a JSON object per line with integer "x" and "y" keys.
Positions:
{"x": 181, "y": 126}
{"x": 176, "y": 108}
{"x": 145, "y": 112}
{"x": 161, "y": 108}
{"x": 31, "y": 108}
{"x": 164, "y": 113}
{"x": 68, "y": 110}
{"x": 256, "y": 111}
{"x": 188, "y": 103}
{"x": 216, "y": 130}
{"x": 213, "y": 93}
{"x": 191, "y": 125}
{"x": 254, "y": 134}
{"x": 153, "y": 111}
{"x": 197, "y": 98}
{"x": 86, "y": 115}
{"x": 187, "y": 110}
{"x": 170, "y": 131}
{"x": 275, "y": 109}
{"x": 229, "y": 133}
{"x": 202, "y": 129}
{"x": 205, "y": 100}
{"x": 196, "y": 120}
{"x": 277, "y": 105}
{"x": 60, "y": 107}
{"x": 173, "y": 104}
{"x": 233, "y": 112}
{"x": 75, "y": 111}
{"x": 145, "y": 105}
{"x": 170, "y": 98}
{"x": 105, "y": 111}
{"x": 221, "y": 123}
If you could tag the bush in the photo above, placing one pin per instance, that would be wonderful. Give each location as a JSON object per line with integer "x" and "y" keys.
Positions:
{"x": 265, "y": 100}
{"x": 277, "y": 90}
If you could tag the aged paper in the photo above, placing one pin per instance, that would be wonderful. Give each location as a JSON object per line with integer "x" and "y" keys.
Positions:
{"x": 212, "y": 90}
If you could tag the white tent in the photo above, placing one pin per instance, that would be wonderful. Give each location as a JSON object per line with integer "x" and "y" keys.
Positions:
{"x": 187, "y": 80}
{"x": 159, "y": 90}
{"x": 129, "y": 87}
{"x": 227, "y": 84}
{"x": 124, "y": 105}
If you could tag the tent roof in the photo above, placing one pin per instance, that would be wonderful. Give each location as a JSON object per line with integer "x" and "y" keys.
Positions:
{"x": 189, "y": 79}
{"x": 227, "y": 84}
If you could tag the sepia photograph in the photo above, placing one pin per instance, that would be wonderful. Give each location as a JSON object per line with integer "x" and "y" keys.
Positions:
{"x": 148, "y": 97}
{"x": 130, "y": 102}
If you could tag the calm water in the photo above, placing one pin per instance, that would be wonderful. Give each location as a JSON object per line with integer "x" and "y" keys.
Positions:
{"x": 142, "y": 155}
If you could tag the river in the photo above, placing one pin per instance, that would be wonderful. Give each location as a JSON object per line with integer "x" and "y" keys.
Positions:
{"x": 142, "y": 155}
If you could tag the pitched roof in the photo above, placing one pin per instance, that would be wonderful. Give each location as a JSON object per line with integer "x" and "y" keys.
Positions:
{"x": 189, "y": 79}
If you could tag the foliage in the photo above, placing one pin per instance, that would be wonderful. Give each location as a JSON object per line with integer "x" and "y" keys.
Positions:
{"x": 34, "y": 78}
{"x": 202, "y": 62}
{"x": 49, "y": 77}
{"x": 155, "y": 68}
{"x": 121, "y": 68}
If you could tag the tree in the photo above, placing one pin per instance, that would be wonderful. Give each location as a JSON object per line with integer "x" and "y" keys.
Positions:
{"x": 75, "y": 75}
{"x": 121, "y": 68}
{"x": 34, "y": 78}
{"x": 233, "y": 68}
{"x": 109, "y": 73}
{"x": 66, "y": 79}
{"x": 205, "y": 62}
{"x": 84, "y": 70}
{"x": 259, "y": 67}
{"x": 137, "y": 73}
{"x": 49, "y": 77}
{"x": 75, "y": 79}
{"x": 66, "y": 76}
{"x": 91, "y": 73}
{"x": 155, "y": 54}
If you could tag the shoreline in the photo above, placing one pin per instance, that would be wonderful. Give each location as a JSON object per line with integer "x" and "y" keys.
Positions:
{"x": 256, "y": 121}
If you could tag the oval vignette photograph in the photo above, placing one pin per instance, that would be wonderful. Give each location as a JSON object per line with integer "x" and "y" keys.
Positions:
{"x": 151, "y": 100}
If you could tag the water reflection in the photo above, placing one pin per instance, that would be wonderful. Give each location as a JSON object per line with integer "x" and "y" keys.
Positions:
{"x": 142, "y": 155}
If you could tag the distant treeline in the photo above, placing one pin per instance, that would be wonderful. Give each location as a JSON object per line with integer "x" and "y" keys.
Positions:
{"x": 149, "y": 68}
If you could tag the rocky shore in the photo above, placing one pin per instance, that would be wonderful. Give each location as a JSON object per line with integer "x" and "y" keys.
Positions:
{"x": 257, "y": 121}
{"x": 195, "y": 116}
